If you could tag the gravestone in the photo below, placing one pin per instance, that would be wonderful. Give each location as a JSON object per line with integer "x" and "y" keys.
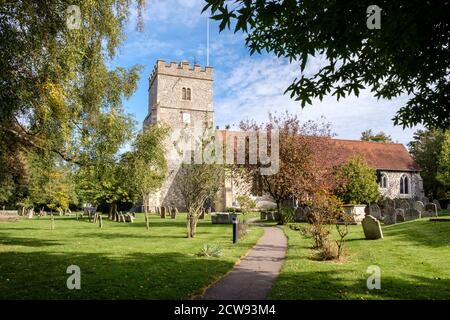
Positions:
{"x": 390, "y": 217}
{"x": 412, "y": 214}
{"x": 270, "y": 216}
{"x": 430, "y": 210}
{"x": 419, "y": 206}
{"x": 404, "y": 204}
{"x": 400, "y": 215}
{"x": 425, "y": 200}
{"x": 262, "y": 215}
{"x": 299, "y": 215}
{"x": 173, "y": 213}
{"x": 157, "y": 211}
{"x": 438, "y": 205}
{"x": 374, "y": 211}
{"x": 129, "y": 218}
{"x": 371, "y": 227}
{"x": 163, "y": 212}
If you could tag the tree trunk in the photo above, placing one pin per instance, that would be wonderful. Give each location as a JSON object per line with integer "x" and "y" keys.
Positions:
{"x": 110, "y": 212}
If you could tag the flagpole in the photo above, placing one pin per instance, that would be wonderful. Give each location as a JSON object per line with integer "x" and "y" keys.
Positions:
{"x": 207, "y": 41}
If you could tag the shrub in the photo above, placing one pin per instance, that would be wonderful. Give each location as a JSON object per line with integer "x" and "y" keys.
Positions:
{"x": 286, "y": 215}
{"x": 246, "y": 203}
{"x": 358, "y": 182}
{"x": 210, "y": 251}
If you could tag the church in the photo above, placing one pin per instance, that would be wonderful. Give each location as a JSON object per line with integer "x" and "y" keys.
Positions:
{"x": 182, "y": 97}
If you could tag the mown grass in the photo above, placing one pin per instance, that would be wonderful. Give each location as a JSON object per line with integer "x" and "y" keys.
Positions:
{"x": 414, "y": 258}
{"x": 119, "y": 261}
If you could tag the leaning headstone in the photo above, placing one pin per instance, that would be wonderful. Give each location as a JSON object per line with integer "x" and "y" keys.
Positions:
{"x": 400, "y": 215}
{"x": 371, "y": 227}
{"x": 419, "y": 206}
{"x": 412, "y": 214}
{"x": 438, "y": 205}
{"x": 430, "y": 210}
{"x": 374, "y": 211}
{"x": 163, "y": 212}
{"x": 390, "y": 217}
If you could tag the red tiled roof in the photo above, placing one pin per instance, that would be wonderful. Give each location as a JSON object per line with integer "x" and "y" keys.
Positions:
{"x": 381, "y": 156}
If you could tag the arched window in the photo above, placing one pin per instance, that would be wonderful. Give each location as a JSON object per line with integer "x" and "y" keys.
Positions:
{"x": 188, "y": 94}
{"x": 183, "y": 94}
{"x": 383, "y": 181}
{"x": 404, "y": 185}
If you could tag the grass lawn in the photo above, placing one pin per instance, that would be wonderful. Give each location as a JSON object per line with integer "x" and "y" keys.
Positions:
{"x": 414, "y": 258}
{"x": 120, "y": 261}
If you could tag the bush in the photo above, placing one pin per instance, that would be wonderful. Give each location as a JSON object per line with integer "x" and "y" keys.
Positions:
{"x": 358, "y": 182}
{"x": 210, "y": 251}
{"x": 286, "y": 215}
{"x": 246, "y": 203}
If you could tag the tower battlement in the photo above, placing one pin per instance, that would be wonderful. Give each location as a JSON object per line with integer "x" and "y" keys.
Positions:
{"x": 181, "y": 69}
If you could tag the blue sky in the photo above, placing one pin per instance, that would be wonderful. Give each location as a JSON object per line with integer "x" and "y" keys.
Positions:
{"x": 245, "y": 87}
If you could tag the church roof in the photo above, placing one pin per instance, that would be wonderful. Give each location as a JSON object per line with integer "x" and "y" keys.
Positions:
{"x": 381, "y": 156}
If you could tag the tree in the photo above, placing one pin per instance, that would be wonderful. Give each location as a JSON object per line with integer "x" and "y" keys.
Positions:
{"x": 55, "y": 80}
{"x": 104, "y": 173}
{"x": 357, "y": 57}
{"x": 426, "y": 149}
{"x": 303, "y": 160}
{"x": 443, "y": 173}
{"x": 368, "y": 135}
{"x": 149, "y": 165}
{"x": 358, "y": 182}
{"x": 197, "y": 184}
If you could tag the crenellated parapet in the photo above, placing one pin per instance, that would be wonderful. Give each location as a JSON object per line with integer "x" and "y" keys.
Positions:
{"x": 181, "y": 69}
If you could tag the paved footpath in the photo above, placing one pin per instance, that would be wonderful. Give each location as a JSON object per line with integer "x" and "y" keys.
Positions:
{"x": 253, "y": 277}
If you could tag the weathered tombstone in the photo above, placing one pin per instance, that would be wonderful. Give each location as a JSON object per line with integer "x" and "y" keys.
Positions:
{"x": 390, "y": 217}
{"x": 374, "y": 211}
{"x": 412, "y": 214}
{"x": 430, "y": 210}
{"x": 404, "y": 204}
{"x": 30, "y": 213}
{"x": 158, "y": 212}
{"x": 371, "y": 227}
{"x": 419, "y": 206}
{"x": 222, "y": 218}
{"x": 163, "y": 212}
{"x": 270, "y": 216}
{"x": 400, "y": 215}
{"x": 262, "y": 215}
{"x": 299, "y": 214}
{"x": 425, "y": 200}
{"x": 173, "y": 213}
{"x": 438, "y": 205}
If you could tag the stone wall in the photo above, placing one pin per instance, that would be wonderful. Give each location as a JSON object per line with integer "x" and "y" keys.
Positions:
{"x": 393, "y": 188}
{"x": 184, "y": 117}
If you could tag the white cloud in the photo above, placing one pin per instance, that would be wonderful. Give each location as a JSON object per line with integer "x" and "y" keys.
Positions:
{"x": 255, "y": 87}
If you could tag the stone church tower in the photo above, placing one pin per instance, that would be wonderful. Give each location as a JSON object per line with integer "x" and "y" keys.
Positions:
{"x": 181, "y": 97}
